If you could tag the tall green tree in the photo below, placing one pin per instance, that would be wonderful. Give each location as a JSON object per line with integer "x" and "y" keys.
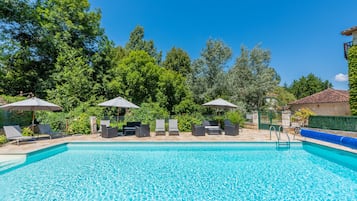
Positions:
{"x": 283, "y": 96}
{"x": 208, "y": 77}
{"x": 19, "y": 32}
{"x": 136, "y": 76}
{"x": 308, "y": 85}
{"x": 33, "y": 34}
{"x": 137, "y": 42}
{"x": 251, "y": 78}
{"x": 139, "y": 78}
{"x": 73, "y": 77}
{"x": 352, "y": 78}
{"x": 173, "y": 91}
{"x": 178, "y": 60}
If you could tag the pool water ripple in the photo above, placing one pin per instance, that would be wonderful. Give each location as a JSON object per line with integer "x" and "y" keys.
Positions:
{"x": 180, "y": 174}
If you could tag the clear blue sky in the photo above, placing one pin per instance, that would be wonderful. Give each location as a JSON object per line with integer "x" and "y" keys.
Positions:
{"x": 304, "y": 36}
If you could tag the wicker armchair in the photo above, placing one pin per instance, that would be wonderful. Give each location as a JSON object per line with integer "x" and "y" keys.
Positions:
{"x": 142, "y": 131}
{"x": 198, "y": 130}
{"x": 108, "y": 132}
{"x": 231, "y": 129}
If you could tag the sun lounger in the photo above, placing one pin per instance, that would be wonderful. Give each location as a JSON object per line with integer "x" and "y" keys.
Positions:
{"x": 173, "y": 128}
{"x": 14, "y": 133}
{"x": 160, "y": 127}
{"x": 45, "y": 129}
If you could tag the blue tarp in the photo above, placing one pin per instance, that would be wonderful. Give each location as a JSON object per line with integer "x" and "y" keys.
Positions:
{"x": 337, "y": 139}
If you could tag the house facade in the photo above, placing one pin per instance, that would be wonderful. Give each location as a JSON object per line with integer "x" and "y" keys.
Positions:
{"x": 330, "y": 102}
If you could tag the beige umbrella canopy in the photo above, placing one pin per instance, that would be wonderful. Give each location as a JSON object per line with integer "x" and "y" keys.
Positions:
{"x": 32, "y": 104}
{"x": 220, "y": 104}
{"x": 118, "y": 102}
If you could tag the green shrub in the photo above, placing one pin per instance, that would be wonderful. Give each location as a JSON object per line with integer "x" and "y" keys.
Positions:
{"x": 79, "y": 118}
{"x": 79, "y": 125}
{"x": 57, "y": 120}
{"x": 147, "y": 114}
{"x": 27, "y": 131}
{"x": 3, "y": 139}
{"x": 185, "y": 121}
{"x": 235, "y": 117}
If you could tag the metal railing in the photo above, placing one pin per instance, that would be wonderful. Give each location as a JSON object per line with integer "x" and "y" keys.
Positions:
{"x": 347, "y": 46}
{"x": 280, "y": 143}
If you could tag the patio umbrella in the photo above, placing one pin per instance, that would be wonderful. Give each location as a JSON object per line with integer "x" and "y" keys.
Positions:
{"x": 220, "y": 104}
{"x": 118, "y": 102}
{"x": 32, "y": 104}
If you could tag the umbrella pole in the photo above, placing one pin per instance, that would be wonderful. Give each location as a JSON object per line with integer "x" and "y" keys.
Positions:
{"x": 33, "y": 121}
{"x": 118, "y": 116}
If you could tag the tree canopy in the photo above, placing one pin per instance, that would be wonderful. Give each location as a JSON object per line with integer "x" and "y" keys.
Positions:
{"x": 308, "y": 85}
{"x": 251, "y": 77}
{"x": 57, "y": 50}
{"x": 36, "y": 35}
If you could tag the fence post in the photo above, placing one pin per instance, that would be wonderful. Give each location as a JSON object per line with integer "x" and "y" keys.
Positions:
{"x": 286, "y": 118}
{"x": 93, "y": 124}
{"x": 256, "y": 119}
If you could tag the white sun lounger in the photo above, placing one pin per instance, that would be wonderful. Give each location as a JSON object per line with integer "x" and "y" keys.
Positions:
{"x": 173, "y": 127}
{"x": 160, "y": 127}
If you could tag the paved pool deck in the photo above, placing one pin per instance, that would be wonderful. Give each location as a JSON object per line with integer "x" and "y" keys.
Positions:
{"x": 245, "y": 135}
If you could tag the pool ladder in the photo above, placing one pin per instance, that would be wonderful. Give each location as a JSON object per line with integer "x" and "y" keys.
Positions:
{"x": 280, "y": 144}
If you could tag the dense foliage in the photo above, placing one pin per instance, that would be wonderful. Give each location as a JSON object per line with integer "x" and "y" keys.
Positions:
{"x": 251, "y": 78}
{"x": 57, "y": 50}
{"x": 308, "y": 85}
{"x": 302, "y": 116}
{"x": 207, "y": 80}
{"x": 3, "y": 139}
{"x": 38, "y": 36}
{"x": 352, "y": 76}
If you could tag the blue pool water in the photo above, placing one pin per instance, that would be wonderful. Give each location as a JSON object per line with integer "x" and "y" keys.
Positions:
{"x": 183, "y": 171}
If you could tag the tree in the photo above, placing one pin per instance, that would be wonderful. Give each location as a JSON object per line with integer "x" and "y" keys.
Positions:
{"x": 283, "y": 96}
{"x": 352, "y": 78}
{"x": 33, "y": 34}
{"x": 307, "y": 86}
{"x": 19, "y": 31}
{"x": 178, "y": 60}
{"x": 208, "y": 77}
{"x": 136, "y": 76}
{"x": 251, "y": 77}
{"x": 137, "y": 42}
{"x": 73, "y": 79}
{"x": 173, "y": 91}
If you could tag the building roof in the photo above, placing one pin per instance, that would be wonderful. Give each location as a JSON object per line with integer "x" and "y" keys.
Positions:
{"x": 326, "y": 96}
{"x": 349, "y": 31}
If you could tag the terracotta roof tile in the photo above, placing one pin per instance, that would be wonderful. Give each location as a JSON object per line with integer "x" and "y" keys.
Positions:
{"x": 325, "y": 96}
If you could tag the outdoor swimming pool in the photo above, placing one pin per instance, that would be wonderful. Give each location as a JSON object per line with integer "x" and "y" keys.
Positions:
{"x": 183, "y": 171}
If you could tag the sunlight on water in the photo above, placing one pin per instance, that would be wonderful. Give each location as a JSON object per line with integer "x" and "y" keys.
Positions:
{"x": 181, "y": 171}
